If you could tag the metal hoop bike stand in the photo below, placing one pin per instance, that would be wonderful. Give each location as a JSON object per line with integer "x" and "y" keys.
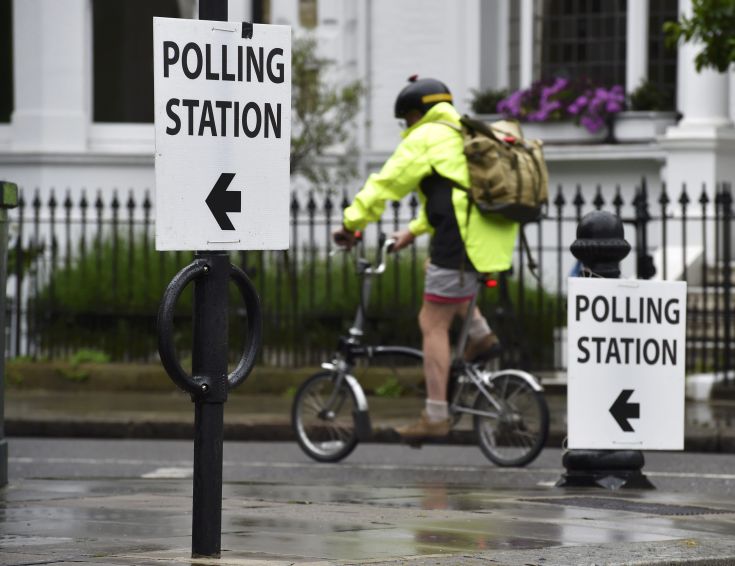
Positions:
{"x": 210, "y": 383}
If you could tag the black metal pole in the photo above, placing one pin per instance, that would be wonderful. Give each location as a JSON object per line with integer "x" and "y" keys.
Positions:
{"x": 8, "y": 199}
{"x": 209, "y": 361}
{"x": 727, "y": 216}
{"x": 645, "y": 268}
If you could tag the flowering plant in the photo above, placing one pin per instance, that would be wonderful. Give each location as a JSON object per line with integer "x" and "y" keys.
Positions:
{"x": 560, "y": 99}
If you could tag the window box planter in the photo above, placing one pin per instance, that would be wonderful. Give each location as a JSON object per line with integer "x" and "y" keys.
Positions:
{"x": 642, "y": 126}
{"x": 562, "y": 133}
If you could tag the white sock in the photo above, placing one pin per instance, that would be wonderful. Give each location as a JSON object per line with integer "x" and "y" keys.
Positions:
{"x": 437, "y": 410}
{"x": 479, "y": 327}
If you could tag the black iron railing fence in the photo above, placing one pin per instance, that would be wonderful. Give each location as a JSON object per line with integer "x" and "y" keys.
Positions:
{"x": 83, "y": 274}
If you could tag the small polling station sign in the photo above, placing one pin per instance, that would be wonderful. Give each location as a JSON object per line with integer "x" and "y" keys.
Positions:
{"x": 625, "y": 386}
{"x": 223, "y": 131}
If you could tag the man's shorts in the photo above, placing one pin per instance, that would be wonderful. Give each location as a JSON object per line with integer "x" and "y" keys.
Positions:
{"x": 449, "y": 285}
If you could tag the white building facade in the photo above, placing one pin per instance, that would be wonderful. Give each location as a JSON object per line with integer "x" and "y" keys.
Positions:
{"x": 72, "y": 121}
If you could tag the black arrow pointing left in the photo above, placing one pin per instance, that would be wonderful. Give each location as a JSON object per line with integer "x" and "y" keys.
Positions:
{"x": 221, "y": 201}
{"x": 621, "y": 410}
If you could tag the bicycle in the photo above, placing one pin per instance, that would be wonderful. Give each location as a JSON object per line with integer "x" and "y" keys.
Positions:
{"x": 330, "y": 413}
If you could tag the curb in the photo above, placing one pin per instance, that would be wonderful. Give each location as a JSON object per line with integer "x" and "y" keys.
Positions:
{"x": 713, "y": 441}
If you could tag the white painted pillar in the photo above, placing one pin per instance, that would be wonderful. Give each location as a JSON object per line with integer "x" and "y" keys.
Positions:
{"x": 52, "y": 45}
{"x": 526, "y": 46}
{"x": 492, "y": 27}
{"x": 700, "y": 148}
{"x": 240, "y": 10}
{"x": 703, "y": 98}
{"x": 285, "y": 12}
{"x": 503, "y": 44}
{"x": 469, "y": 33}
{"x": 636, "y": 45}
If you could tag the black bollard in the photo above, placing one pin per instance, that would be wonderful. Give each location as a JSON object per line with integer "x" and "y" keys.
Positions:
{"x": 601, "y": 246}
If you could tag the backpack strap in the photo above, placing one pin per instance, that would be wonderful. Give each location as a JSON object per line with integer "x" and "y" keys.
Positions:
{"x": 455, "y": 127}
{"x": 532, "y": 265}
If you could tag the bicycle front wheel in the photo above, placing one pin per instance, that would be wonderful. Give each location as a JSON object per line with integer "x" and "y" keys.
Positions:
{"x": 514, "y": 432}
{"x": 323, "y": 419}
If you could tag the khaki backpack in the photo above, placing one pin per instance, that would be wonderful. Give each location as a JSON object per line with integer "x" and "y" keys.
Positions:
{"x": 508, "y": 174}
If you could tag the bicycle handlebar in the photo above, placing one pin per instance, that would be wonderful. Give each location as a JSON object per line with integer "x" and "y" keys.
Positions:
{"x": 386, "y": 245}
{"x": 385, "y": 249}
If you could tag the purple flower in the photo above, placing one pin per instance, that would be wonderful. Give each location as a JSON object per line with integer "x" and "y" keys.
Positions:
{"x": 592, "y": 123}
{"x": 559, "y": 98}
{"x": 511, "y": 105}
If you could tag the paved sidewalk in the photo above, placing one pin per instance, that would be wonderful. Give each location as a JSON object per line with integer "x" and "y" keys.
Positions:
{"x": 127, "y": 522}
{"x": 710, "y": 426}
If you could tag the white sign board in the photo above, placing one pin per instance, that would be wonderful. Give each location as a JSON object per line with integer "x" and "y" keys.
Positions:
{"x": 625, "y": 387}
{"x": 223, "y": 131}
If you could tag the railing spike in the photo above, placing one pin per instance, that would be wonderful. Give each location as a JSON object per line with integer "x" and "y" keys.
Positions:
{"x": 599, "y": 200}
{"x": 559, "y": 200}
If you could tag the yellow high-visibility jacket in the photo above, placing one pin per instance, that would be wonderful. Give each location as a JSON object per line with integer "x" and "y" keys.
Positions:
{"x": 430, "y": 148}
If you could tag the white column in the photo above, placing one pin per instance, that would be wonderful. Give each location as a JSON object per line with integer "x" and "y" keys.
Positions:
{"x": 700, "y": 148}
{"x": 469, "y": 33}
{"x": 702, "y": 97}
{"x": 636, "y": 45}
{"x": 526, "y": 46}
{"x": 52, "y": 66}
{"x": 492, "y": 27}
{"x": 503, "y": 53}
{"x": 285, "y": 12}
{"x": 240, "y": 10}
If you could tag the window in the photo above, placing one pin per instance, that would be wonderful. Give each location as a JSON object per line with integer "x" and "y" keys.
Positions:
{"x": 123, "y": 57}
{"x": 662, "y": 59}
{"x": 6, "y": 60}
{"x": 261, "y": 11}
{"x": 307, "y": 13}
{"x": 584, "y": 39}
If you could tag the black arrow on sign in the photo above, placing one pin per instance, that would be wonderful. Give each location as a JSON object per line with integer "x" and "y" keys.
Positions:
{"x": 621, "y": 410}
{"x": 220, "y": 202}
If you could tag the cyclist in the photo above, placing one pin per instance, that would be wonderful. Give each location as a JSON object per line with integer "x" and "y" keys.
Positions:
{"x": 431, "y": 158}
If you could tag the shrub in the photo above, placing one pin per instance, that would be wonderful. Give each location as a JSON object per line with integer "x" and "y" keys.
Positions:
{"x": 648, "y": 96}
{"x": 486, "y": 101}
{"x": 108, "y": 302}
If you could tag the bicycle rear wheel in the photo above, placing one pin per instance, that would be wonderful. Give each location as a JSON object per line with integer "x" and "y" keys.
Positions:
{"x": 516, "y": 433}
{"x": 323, "y": 418}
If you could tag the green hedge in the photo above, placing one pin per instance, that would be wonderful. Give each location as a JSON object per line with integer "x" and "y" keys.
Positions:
{"x": 108, "y": 300}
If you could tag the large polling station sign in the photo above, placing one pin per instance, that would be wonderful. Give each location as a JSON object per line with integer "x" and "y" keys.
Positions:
{"x": 223, "y": 130}
{"x": 625, "y": 387}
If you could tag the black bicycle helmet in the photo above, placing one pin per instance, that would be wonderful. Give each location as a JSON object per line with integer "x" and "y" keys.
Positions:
{"x": 421, "y": 94}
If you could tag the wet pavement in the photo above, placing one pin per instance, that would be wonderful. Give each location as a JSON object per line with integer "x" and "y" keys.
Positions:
{"x": 141, "y": 522}
{"x": 128, "y": 521}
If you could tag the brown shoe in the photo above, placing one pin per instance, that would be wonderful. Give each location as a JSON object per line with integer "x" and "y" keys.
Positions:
{"x": 424, "y": 428}
{"x": 482, "y": 350}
